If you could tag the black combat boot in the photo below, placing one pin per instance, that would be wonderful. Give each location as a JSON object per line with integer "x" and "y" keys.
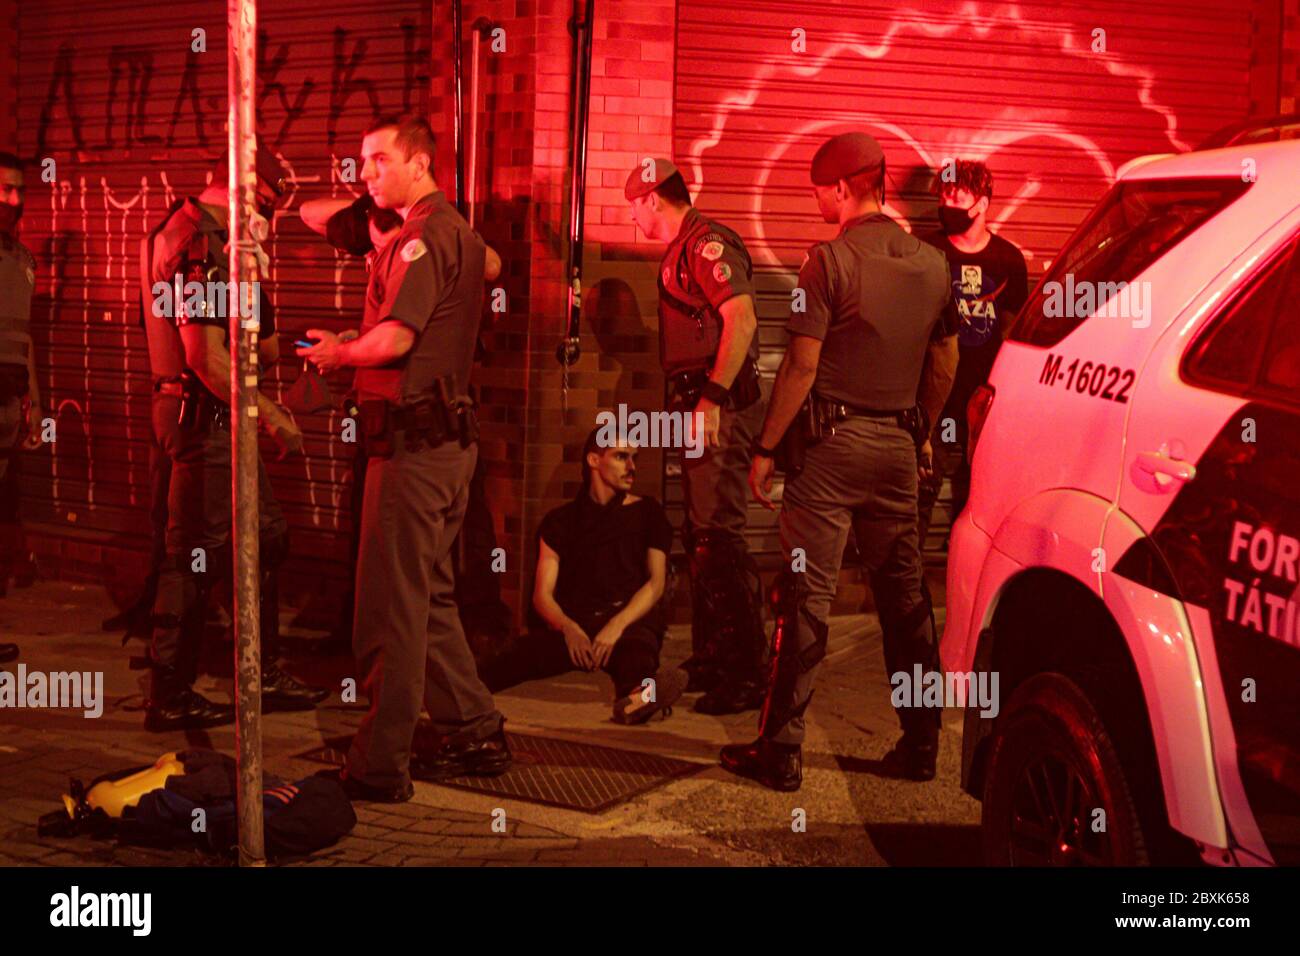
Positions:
{"x": 281, "y": 692}
{"x": 174, "y": 706}
{"x": 911, "y": 759}
{"x": 774, "y": 764}
{"x": 459, "y": 756}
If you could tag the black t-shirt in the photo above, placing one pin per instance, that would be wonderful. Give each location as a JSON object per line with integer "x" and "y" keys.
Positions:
{"x": 602, "y": 550}
{"x": 989, "y": 287}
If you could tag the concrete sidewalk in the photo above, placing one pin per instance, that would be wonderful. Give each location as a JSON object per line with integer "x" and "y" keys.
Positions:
{"x": 710, "y": 818}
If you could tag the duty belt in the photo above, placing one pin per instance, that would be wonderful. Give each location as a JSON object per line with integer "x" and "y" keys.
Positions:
{"x": 425, "y": 422}
{"x": 685, "y": 387}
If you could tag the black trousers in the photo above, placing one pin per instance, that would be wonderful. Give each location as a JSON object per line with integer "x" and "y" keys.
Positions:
{"x": 542, "y": 653}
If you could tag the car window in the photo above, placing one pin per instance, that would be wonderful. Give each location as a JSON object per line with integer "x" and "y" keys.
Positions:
{"x": 1252, "y": 348}
{"x": 1133, "y": 226}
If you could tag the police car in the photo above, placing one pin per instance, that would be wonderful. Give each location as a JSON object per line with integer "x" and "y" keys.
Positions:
{"x": 1127, "y": 563}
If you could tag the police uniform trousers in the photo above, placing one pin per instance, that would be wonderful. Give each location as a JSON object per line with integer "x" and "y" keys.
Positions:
{"x": 716, "y": 489}
{"x": 951, "y": 462}
{"x": 11, "y": 420}
{"x": 199, "y": 517}
{"x": 406, "y": 634}
{"x": 862, "y": 479}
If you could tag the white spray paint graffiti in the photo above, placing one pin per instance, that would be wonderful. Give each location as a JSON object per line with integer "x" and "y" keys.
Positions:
{"x": 977, "y": 144}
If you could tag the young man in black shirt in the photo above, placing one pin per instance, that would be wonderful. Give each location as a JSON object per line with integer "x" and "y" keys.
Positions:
{"x": 989, "y": 285}
{"x": 601, "y": 571}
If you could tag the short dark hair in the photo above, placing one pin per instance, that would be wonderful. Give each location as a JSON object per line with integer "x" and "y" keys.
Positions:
{"x": 9, "y": 160}
{"x": 867, "y": 183}
{"x": 970, "y": 175}
{"x": 414, "y": 134}
{"x": 673, "y": 190}
{"x": 590, "y": 446}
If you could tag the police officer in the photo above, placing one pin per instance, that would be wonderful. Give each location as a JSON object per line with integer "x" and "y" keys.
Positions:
{"x": 877, "y": 304}
{"x": 709, "y": 350}
{"x": 20, "y": 397}
{"x": 413, "y": 358}
{"x": 187, "y": 327}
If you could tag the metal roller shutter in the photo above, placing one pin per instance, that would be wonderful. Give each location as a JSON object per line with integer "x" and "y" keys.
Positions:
{"x": 112, "y": 92}
{"x": 1017, "y": 85}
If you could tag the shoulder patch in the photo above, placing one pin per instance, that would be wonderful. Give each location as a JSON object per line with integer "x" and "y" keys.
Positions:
{"x": 712, "y": 251}
{"x": 413, "y": 250}
{"x": 722, "y": 272}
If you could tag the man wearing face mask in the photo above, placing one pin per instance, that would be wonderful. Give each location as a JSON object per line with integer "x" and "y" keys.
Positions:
{"x": 413, "y": 356}
{"x": 189, "y": 357}
{"x": 989, "y": 286}
{"x": 20, "y": 397}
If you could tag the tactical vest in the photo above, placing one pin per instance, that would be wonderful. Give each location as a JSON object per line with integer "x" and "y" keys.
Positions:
{"x": 17, "y": 281}
{"x": 690, "y": 328}
{"x": 166, "y": 351}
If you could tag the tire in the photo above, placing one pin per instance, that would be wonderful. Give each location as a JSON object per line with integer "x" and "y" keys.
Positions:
{"x": 1052, "y": 764}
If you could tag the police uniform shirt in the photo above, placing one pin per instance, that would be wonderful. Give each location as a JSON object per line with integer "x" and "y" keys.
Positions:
{"x": 602, "y": 549}
{"x": 430, "y": 278}
{"x": 192, "y": 244}
{"x": 875, "y": 296}
{"x": 704, "y": 266}
{"x": 17, "y": 282}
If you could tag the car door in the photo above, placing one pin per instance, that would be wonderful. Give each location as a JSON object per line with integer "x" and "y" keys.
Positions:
{"x": 1211, "y": 474}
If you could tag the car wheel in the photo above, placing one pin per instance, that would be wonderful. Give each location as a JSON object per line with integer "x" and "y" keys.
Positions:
{"x": 1052, "y": 767}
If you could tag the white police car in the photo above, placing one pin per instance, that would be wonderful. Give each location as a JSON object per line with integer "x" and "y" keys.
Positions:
{"x": 1128, "y": 558}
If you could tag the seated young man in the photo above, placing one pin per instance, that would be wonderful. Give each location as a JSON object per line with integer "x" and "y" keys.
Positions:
{"x": 601, "y": 571}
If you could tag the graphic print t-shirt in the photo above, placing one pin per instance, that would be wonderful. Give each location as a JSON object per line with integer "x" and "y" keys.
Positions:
{"x": 989, "y": 287}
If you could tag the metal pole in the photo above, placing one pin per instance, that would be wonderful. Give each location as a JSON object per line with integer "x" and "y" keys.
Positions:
{"x": 242, "y": 124}
{"x": 457, "y": 69}
{"x": 567, "y": 353}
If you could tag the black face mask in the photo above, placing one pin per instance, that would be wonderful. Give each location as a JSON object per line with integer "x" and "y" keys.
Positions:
{"x": 9, "y": 216}
{"x": 954, "y": 221}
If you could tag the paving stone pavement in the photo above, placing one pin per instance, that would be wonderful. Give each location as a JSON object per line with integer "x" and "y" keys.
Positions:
{"x": 705, "y": 819}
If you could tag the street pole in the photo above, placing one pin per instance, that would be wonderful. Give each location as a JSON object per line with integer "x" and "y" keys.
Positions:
{"x": 242, "y": 16}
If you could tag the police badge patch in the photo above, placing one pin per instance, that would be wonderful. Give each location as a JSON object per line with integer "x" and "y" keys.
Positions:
{"x": 413, "y": 250}
{"x": 722, "y": 272}
{"x": 712, "y": 251}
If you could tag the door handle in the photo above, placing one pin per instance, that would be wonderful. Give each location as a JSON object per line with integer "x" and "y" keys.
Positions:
{"x": 1162, "y": 466}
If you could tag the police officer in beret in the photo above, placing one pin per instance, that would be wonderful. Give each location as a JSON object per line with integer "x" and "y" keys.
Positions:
{"x": 709, "y": 350}
{"x": 413, "y": 357}
{"x": 186, "y": 300}
{"x": 878, "y": 315}
{"x": 20, "y": 397}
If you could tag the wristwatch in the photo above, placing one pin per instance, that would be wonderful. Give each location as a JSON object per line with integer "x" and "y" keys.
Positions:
{"x": 717, "y": 394}
{"x": 757, "y": 450}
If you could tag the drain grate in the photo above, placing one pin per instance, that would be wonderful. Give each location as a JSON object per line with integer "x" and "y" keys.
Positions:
{"x": 556, "y": 773}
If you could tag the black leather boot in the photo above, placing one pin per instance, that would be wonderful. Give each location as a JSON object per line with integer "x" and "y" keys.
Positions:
{"x": 911, "y": 759}
{"x": 776, "y": 766}
{"x": 281, "y": 692}
{"x": 174, "y": 706}
{"x": 460, "y": 756}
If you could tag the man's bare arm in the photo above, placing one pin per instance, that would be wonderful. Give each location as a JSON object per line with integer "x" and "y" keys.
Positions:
{"x": 548, "y": 570}
{"x": 316, "y": 212}
{"x": 937, "y": 375}
{"x": 207, "y": 355}
{"x": 794, "y": 380}
{"x": 739, "y": 325}
{"x": 648, "y": 595}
